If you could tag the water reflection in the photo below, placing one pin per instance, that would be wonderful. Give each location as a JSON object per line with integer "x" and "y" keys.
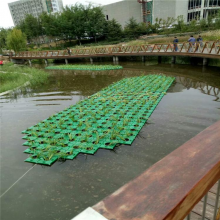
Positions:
{"x": 67, "y": 188}
{"x": 64, "y": 83}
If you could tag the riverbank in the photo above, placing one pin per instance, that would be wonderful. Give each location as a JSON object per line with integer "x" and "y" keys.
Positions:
{"x": 14, "y": 76}
{"x": 156, "y": 39}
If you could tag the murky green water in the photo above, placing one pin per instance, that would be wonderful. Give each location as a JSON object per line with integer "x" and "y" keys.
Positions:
{"x": 65, "y": 189}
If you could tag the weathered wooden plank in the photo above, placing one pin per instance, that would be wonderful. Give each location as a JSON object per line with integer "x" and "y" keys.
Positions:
{"x": 214, "y": 188}
{"x": 171, "y": 187}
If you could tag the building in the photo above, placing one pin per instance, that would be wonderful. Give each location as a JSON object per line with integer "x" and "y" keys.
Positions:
{"x": 148, "y": 10}
{"x": 20, "y": 9}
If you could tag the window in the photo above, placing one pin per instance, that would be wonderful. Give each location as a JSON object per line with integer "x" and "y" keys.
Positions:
{"x": 193, "y": 4}
{"x": 193, "y": 15}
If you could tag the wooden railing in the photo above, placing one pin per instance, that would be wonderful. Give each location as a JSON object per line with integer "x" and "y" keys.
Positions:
{"x": 173, "y": 186}
{"x": 212, "y": 48}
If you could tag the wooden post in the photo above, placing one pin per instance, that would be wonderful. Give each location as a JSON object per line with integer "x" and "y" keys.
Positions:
{"x": 173, "y": 61}
{"x": 29, "y": 61}
{"x": 91, "y": 60}
{"x": 46, "y": 62}
{"x": 66, "y": 61}
{"x": 143, "y": 58}
{"x": 159, "y": 59}
{"x": 205, "y": 62}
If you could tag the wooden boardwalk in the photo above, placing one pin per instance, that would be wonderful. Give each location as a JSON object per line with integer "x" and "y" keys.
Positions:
{"x": 208, "y": 50}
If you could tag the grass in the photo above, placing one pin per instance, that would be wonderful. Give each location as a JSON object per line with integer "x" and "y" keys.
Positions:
{"x": 207, "y": 36}
{"x": 13, "y": 76}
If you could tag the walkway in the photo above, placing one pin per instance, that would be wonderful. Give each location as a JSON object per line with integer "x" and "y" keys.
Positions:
{"x": 209, "y": 50}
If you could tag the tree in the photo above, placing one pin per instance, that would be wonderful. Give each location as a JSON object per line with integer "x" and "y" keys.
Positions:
{"x": 203, "y": 24}
{"x": 3, "y": 38}
{"x": 32, "y": 27}
{"x": 217, "y": 20}
{"x": 16, "y": 40}
{"x": 51, "y": 25}
{"x": 142, "y": 29}
{"x": 131, "y": 27}
{"x": 95, "y": 22}
{"x": 180, "y": 26}
{"x": 74, "y": 21}
{"x": 113, "y": 30}
{"x": 193, "y": 25}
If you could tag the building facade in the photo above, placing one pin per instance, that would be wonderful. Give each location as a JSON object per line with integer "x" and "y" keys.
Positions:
{"x": 122, "y": 11}
{"x": 148, "y": 10}
{"x": 20, "y": 9}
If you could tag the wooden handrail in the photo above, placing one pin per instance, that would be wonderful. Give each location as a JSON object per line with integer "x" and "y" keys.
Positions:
{"x": 211, "y": 48}
{"x": 173, "y": 186}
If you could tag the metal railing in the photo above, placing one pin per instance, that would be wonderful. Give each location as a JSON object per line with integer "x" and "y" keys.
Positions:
{"x": 216, "y": 212}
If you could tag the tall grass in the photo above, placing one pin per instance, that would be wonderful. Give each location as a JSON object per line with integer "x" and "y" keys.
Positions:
{"x": 13, "y": 76}
{"x": 207, "y": 36}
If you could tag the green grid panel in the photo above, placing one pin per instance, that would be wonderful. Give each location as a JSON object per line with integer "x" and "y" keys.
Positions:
{"x": 113, "y": 116}
{"x": 85, "y": 67}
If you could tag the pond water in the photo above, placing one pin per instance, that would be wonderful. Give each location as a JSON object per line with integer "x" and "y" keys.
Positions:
{"x": 66, "y": 188}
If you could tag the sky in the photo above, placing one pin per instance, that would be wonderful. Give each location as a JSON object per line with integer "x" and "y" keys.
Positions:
{"x": 6, "y": 19}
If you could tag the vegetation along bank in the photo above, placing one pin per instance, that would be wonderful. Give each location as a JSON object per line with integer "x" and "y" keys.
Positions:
{"x": 14, "y": 76}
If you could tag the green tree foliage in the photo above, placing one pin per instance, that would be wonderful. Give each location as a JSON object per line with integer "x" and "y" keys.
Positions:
{"x": 131, "y": 28}
{"x": 49, "y": 25}
{"x": 74, "y": 21}
{"x": 113, "y": 30}
{"x": 16, "y": 40}
{"x": 217, "y": 20}
{"x": 95, "y": 22}
{"x": 156, "y": 26}
{"x": 193, "y": 25}
{"x": 143, "y": 29}
{"x": 203, "y": 23}
{"x": 31, "y": 26}
{"x": 3, "y": 38}
{"x": 180, "y": 23}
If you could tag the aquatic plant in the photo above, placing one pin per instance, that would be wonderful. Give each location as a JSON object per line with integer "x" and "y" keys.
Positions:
{"x": 115, "y": 115}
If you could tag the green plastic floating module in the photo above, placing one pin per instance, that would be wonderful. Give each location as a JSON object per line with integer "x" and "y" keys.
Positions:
{"x": 113, "y": 116}
{"x": 85, "y": 67}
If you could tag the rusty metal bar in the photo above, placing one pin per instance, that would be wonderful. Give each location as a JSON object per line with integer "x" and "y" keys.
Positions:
{"x": 189, "y": 216}
{"x": 216, "y": 200}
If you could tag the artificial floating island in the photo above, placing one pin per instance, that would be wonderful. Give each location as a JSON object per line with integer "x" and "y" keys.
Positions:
{"x": 85, "y": 67}
{"x": 113, "y": 116}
